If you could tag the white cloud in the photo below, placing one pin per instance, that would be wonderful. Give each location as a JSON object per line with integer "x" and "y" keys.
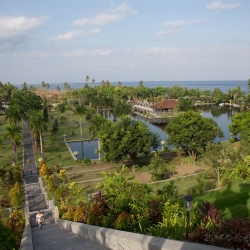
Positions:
{"x": 219, "y": 5}
{"x": 168, "y": 32}
{"x": 113, "y": 15}
{"x": 98, "y": 52}
{"x": 75, "y": 34}
{"x": 176, "y": 26}
{"x": 12, "y": 27}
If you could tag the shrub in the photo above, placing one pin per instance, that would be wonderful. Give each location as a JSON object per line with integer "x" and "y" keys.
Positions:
{"x": 44, "y": 170}
{"x": 5, "y": 203}
{"x": 80, "y": 213}
{"x": 124, "y": 222}
{"x": 95, "y": 215}
{"x": 8, "y": 239}
{"x": 70, "y": 213}
{"x": 86, "y": 161}
{"x": 229, "y": 233}
{"x": 16, "y": 223}
{"x": 15, "y": 194}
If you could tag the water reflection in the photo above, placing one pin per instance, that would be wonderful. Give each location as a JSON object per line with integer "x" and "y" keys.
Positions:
{"x": 222, "y": 116}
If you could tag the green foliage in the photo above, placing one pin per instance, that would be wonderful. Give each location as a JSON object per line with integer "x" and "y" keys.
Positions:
{"x": 192, "y": 132}
{"x": 16, "y": 223}
{"x": 15, "y": 195}
{"x": 126, "y": 137}
{"x": 70, "y": 213}
{"x": 86, "y": 161}
{"x": 168, "y": 192}
{"x": 159, "y": 169}
{"x": 185, "y": 104}
{"x": 80, "y": 213}
{"x": 124, "y": 222}
{"x": 202, "y": 181}
{"x": 9, "y": 240}
{"x": 240, "y": 124}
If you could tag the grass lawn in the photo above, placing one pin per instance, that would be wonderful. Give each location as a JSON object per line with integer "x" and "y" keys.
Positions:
{"x": 233, "y": 201}
{"x": 55, "y": 149}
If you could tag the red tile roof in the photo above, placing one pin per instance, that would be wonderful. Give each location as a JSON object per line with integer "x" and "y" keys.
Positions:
{"x": 165, "y": 104}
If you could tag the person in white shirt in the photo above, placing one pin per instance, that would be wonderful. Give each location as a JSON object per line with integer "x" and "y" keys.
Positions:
{"x": 39, "y": 219}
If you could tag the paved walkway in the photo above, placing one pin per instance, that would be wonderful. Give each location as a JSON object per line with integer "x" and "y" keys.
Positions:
{"x": 51, "y": 236}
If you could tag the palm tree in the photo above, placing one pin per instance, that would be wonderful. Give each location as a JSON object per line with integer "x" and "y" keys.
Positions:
{"x": 43, "y": 84}
{"x": 47, "y": 86}
{"x": 93, "y": 80}
{"x": 66, "y": 86}
{"x": 80, "y": 110}
{"x": 14, "y": 114}
{"x": 87, "y": 78}
{"x": 14, "y": 133}
{"x": 37, "y": 126}
{"x": 121, "y": 108}
{"x": 24, "y": 86}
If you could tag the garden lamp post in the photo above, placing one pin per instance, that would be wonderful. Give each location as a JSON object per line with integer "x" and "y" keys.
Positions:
{"x": 162, "y": 145}
{"x": 188, "y": 203}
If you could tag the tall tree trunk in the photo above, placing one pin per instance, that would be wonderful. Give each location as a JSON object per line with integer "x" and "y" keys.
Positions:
{"x": 41, "y": 143}
{"x": 81, "y": 126}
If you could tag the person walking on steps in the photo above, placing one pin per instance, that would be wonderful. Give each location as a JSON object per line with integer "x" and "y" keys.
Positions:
{"x": 39, "y": 219}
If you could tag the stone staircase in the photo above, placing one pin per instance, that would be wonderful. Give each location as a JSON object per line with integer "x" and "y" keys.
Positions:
{"x": 52, "y": 236}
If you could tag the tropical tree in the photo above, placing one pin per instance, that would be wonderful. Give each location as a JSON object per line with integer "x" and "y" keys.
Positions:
{"x": 14, "y": 133}
{"x": 87, "y": 78}
{"x": 24, "y": 86}
{"x": 97, "y": 121}
{"x": 185, "y": 104}
{"x": 80, "y": 110}
{"x": 126, "y": 137}
{"x": 14, "y": 114}
{"x": 240, "y": 125}
{"x": 66, "y": 86}
{"x": 93, "y": 81}
{"x": 38, "y": 125}
{"x": 191, "y": 132}
{"x": 121, "y": 108}
{"x": 43, "y": 84}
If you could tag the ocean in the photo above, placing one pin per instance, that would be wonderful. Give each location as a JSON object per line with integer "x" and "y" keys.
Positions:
{"x": 224, "y": 86}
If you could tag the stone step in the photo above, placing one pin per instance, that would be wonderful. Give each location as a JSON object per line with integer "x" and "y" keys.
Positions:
{"x": 53, "y": 237}
{"x": 31, "y": 179}
{"x": 48, "y": 218}
{"x": 33, "y": 188}
{"x": 37, "y": 202}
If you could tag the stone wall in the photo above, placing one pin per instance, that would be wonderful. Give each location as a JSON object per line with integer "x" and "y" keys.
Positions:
{"x": 121, "y": 240}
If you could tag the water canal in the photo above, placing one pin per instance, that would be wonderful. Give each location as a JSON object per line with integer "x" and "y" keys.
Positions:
{"x": 222, "y": 115}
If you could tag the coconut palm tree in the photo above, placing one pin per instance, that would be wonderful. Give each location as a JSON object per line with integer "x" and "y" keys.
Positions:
{"x": 43, "y": 84}
{"x": 14, "y": 114}
{"x": 14, "y": 133}
{"x": 37, "y": 125}
{"x": 87, "y": 78}
{"x": 121, "y": 108}
{"x": 93, "y": 80}
{"x": 80, "y": 110}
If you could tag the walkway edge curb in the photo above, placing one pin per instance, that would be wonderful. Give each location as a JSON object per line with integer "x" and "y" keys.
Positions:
{"x": 115, "y": 239}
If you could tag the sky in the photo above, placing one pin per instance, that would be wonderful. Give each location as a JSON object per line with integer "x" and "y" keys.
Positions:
{"x": 59, "y": 41}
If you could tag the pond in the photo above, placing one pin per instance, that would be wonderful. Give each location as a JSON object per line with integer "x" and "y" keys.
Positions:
{"x": 222, "y": 116}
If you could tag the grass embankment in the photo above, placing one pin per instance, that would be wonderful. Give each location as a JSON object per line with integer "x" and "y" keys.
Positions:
{"x": 233, "y": 201}
{"x": 7, "y": 157}
{"x": 6, "y": 149}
